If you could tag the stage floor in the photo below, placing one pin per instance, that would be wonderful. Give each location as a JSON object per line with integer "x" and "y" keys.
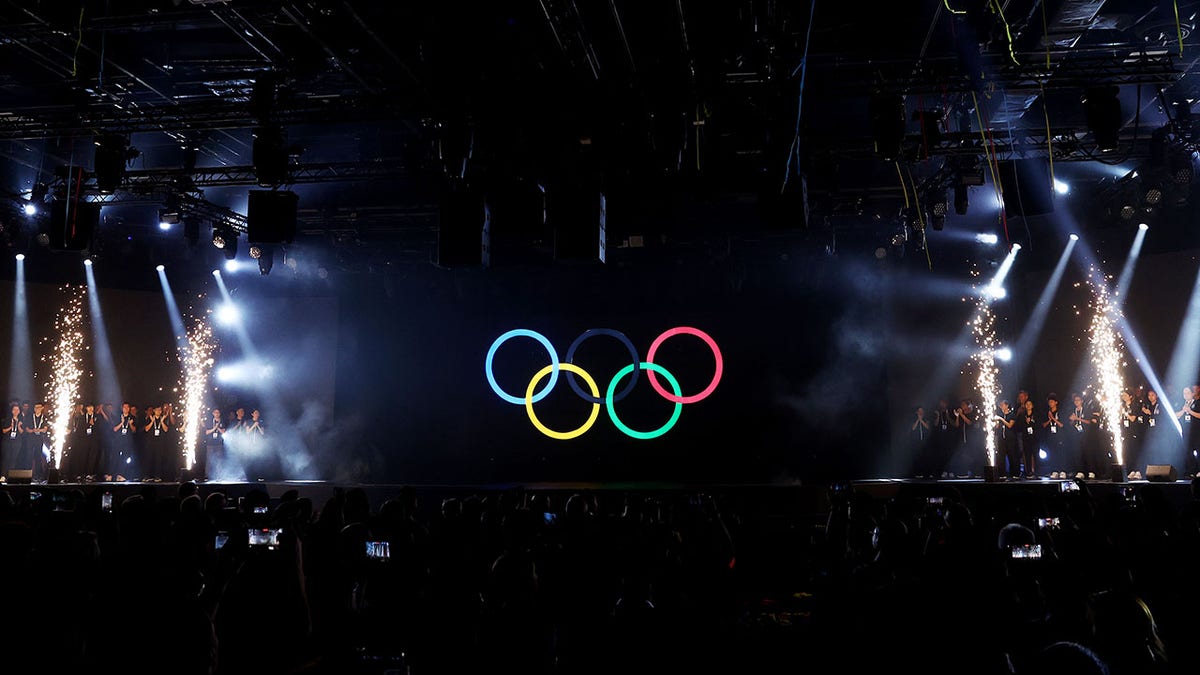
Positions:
{"x": 796, "y": 497}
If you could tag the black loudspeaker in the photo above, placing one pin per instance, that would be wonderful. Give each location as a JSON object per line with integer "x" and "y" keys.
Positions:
{"x": 576, "y": 216}
{"x": 271, "y": 216}
{"x": 20, "y": 476}
{"x": 1027, "y": 187}
{"x": 72, "y": 224}
{"x": 1164, "y": 473}
{"x": 461, "y": 227}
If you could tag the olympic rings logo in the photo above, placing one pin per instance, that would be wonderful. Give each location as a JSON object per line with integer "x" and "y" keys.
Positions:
{"x": 611, "y": 395}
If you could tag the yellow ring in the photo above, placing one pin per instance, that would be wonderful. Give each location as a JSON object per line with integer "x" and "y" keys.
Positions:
{"x": 562, "y": 435}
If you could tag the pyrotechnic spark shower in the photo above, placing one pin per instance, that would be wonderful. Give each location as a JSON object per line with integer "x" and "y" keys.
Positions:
{"x": 989, "y": 390}
{"x": 66, "y": 369}
{"x": 1106, "y": 357}
{"x": 197, "y": 361}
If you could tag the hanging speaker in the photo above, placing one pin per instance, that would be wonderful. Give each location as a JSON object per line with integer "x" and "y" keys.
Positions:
{"x": 271, "y": 216}
{"x": 72, "y": 224}
{"x": 1027, "y": 187}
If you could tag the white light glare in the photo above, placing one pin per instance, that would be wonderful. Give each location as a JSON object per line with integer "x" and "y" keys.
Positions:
{"x": 20, "y": 256}
{"x": 1074, "y": 237}
{"x": 995, "y": 292}
{"x": 1016, "y": 247}
{"x": 228, "y": 314}
{"x": 1060, "y": 187}
{"x": 232, "y": 265}
{"x": 160, "y": 268}
{"x": 164, "y": 225}
{"x": 1143, "y": 227}
{"x": 1004, "y": 354}
{"x": 226, "y": 373}
{"x": 1042, "y": 454}
{"x": 216, "y": 273}
{"x": 989, "y": 239}
{"x": 31, "y": 209}
{"x": 87, "y": 262}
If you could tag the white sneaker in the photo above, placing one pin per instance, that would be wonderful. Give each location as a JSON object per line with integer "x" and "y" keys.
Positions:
{"x": 1091, "y": 475}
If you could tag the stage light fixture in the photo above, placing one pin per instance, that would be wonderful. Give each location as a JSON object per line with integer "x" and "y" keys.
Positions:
{"x": 216, "y": 273}
{"x": 87, "y": 262}
{"x": 1061, "y": 187}
{"x": 1154, "y": 195}
{"x": 1181, "y": 168}
{"x": 256, "y": 252}
{"x": 232, "y": 265}
{"x": 1074, "y": 237}
{"x": 1004, "y": 354}
{"x": 31, "y": 209}
{"x": 1143, "y": 226}
{"x": 20, "y": 257}
{"x": 987, "y": 238}
{"x": 160, "y": 268}
{"x": 995, "y": 292}
{"x": 1102, "y": 108}
{"x": 1127, "y": 212}
{"x": 112, "y": 153}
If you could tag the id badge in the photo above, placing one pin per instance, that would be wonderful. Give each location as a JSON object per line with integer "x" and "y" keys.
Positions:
{"x": 216, "y": 434}
{"x": 1152, "y": 421}
{"x": 1126, "y": 424}
{"x": 13, "y": 435}
{"x": 89, "y": 431}
{"x": 1029, "y": 430}
{"x": 943, "y": 427}
{"x": 1078, "y": 427}
{"x": 1053, "y": 429}
{"x": 124, "y": 431}
{"x": 1140, "y": 419}
{"x": 158, "y": 432}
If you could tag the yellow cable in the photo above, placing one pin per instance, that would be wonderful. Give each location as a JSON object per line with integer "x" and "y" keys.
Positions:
{"x": 1007, "y": 31}
{"x": 920, "y": 214}
{"x": 1178, "y": 29}
{"x": 903, "y": 187}
{"x": 952, "y": 10}
{"x": 79, "y": 41}
{"x": 1049, "y": 147}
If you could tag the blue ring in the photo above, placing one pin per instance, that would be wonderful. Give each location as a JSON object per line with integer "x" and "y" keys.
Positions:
{"x": 521, "y": 332}
{"x": 571, "y": 380}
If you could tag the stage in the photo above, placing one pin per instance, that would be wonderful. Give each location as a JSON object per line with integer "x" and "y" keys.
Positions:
{"x": 797, "y": 498}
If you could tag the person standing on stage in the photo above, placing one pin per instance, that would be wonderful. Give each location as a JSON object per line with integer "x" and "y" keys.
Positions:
{"x": 1053, "y": 430}
{"x": 964, "y": 423}
{"x": 1080, "y": 419}
{"x": 1006, "y": 441}
{"x": 124, "y": 431}
{"x": 154, "y": 445}
{"x": 1189, "y": 420}
{"x": 214, "y": 445}
{"x": 1131, "y": 432}
{"x": 173, "y": 461}
{"x": 37, "y": 432}
{"x": 73, "y": 451}
{"x": 14, "y": 434}
{"x": 1027, "y": 438}
{"x": 238, "y": 426}
{"x": 919, "y": 441}
{"x": 87, "y": 462}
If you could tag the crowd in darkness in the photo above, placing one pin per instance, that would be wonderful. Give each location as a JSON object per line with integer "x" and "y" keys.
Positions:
{"x": 932, "y": 579}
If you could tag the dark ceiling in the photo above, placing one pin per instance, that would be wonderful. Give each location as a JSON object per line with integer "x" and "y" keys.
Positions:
{"x": 683, "y": 113}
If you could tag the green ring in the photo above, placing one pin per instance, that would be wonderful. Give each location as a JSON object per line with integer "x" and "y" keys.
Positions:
{"x": 612, "y": 413}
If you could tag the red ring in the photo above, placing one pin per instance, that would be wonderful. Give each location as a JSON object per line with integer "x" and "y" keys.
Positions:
{"x": 712, "y": 344}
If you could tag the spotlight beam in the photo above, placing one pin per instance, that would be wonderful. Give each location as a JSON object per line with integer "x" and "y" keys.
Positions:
{"x": 20, "y": 368}
{"x": 1037, "y": 319}
{"x": 108, "y": 383}
{"x": 1126, "y": 277}
{"x": 1087, "y": 261}
{"x": 1185, "y": 356}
